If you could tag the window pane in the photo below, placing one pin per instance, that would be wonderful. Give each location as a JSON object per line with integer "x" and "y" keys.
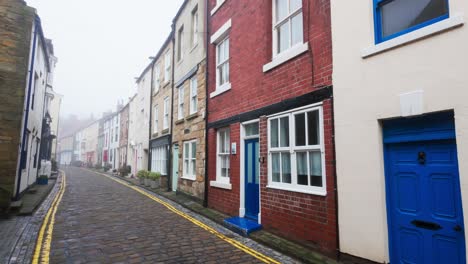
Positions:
{"x": 315, "y": 165}
{"x": 275, "y": 164}
{"x": 194, "y": 150}
{"x": 193, "y": 172}
{"x": 186, "y": 166}
{"x": 186, "y": 151}
{"x": 251, "y": 129}
{"x": 297, "y": 29}
{"x": 399, "y": 15}
{"x": 302, "y": 174}
{"x": 281, "y": 9}
{"x": 295, "y": 4}
{"x": 284, "y": 132}
{"x": 274, "y": 133}
{"x": 283, "y": 37}
{"x": 226, "y": 72}
{"x": 313, "y": 128}
{"x": 220, "y": 52}
{"x": 226, "y": 49}
{"x": 300, "y": 130}
{"x": 222, "y": 139}
{"x": 286, "y": 167}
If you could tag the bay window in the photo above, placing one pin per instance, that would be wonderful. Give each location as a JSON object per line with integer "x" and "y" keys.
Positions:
{"x": 296, "y": 151}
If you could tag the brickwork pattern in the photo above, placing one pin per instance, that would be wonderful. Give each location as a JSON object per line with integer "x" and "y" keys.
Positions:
{"x": 15, "y": 38}
{"x": 192, "y": 127}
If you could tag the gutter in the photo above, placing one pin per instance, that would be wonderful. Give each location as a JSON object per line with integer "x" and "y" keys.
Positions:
{"x": 207, "y": 45}
{"x": 26, "y": 115}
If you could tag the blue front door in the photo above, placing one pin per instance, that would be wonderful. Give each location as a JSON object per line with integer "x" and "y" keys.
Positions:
{"x": 251, "y": 179}
{"x": 424, "y": 202}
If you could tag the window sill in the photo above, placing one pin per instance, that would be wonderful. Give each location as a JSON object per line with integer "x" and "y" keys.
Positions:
{"x": 320, "y": 193}
{"x": 286, "y": 56}
{"x": 219, "y": 90}
{"x": 155, "y": 134}
{"x": 165, "y": 131}
{"x": 180, "y": 121}
{"x": 216, "y": 8}
{"x": 191, "y": 116}
{"x": 221, "y": 185}
{"x": 189, "y": 178}
{"x": 439, "y": 27}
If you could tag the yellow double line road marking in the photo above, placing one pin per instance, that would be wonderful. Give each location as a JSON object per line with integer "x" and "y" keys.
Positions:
{"x": 229, "y": 240}
{"x": 44, "y": 239}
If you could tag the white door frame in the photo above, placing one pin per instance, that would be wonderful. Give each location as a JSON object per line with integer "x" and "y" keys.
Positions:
{"x": 242, "y": 170}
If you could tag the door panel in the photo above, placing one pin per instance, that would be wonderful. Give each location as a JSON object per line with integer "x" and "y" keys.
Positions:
{"x": 175, "y": 168}
{"x": 251, "y": 179}
{"x": 425, "y": 212}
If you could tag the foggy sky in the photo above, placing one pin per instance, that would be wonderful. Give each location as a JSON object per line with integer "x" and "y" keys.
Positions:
{"x": 101, "y": 46}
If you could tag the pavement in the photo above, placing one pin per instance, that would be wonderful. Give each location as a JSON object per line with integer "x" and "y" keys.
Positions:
{"x": 104, "y": 220}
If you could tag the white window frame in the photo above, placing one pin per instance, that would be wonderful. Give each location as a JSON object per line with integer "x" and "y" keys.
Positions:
{"x": 159, "y": 160}
{"x": 219, "y": 155}
{"x": 166, "y": 113}
{"x": 167, "y": 66}
{"x": 180, "y": 44}
{"x": 195, "y": 26}
{"x": 277, "y": 24}
{"x": 193, "y": 95}
{"x": 180, "y": 104}
{"x": 220, "y": 64}
{"x": 190, "y": 160}
{"x": 219, "y": 3}
{"x": 217, "y": 38}
{"x": 156, "y": 119}
{"x": 157, "y": 73}
{"x": 293, "y": 150}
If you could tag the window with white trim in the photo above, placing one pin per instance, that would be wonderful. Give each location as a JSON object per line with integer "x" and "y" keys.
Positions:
{"x": 223, "y": 153}
{"x": 193, "y": 95}
{"x": 190, "y": 158}
{"x": 167, "y": 67}
{"x": 180, "y": 111}
{"x": 222, "y": 62}
{"x": 180, "y": 43}
{"x": 296, "y": 151}
{"x": 156, "y": 119}
{"x": 287, "y": 25}
{"x": 156, "y": 75}
{"x": 159, "y": 160}
{"x": 195, "y": 26}
{"x": 166, "y": 113}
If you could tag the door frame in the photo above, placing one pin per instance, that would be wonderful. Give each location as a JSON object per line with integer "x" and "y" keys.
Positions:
{"x": 409, "y": 130}
{"x": 243, "y": 137}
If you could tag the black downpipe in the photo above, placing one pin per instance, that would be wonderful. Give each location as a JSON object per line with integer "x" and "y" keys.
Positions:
{"x": 207, "y": 47}
{"x": 169, "y": 159}
{"x": 335, "y": 177}
{"x": 26, "y": 116}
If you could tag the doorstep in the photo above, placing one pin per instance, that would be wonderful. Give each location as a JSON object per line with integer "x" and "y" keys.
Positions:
{"x": 241, "y": 225}
{"x": 34, "y": 197}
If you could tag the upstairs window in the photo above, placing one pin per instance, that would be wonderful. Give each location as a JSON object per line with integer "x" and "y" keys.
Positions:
{"x": 167, "y": 67}
{"x": 156, "y": 119}
{"x": 397, "y": 17}
{"x": 180, "y": 44}
{"x": 195, "y": 26}
{"x": 156, "y": 74}
{"x": 180, "y": 113}
{"x": 222, "y": 62}
{"x": 166, "y": 113}
{"x": 287, "y": 25}
{"x": 193, "y": 95}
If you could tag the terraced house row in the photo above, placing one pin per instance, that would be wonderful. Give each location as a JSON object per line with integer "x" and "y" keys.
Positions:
{"x": 339, "y": 125}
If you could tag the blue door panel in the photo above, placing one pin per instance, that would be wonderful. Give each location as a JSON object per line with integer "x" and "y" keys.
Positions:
{"x": 424, "y": 203}
{"x": 251, "y": 179}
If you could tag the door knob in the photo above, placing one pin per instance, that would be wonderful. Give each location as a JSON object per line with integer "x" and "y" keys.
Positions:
{"x": 458, "y": 228}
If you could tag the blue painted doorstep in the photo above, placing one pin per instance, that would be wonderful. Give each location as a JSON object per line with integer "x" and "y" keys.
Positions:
{"x": 242, "y": 226}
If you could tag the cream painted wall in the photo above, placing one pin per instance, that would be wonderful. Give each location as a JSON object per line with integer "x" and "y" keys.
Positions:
{"x": 192, "y": 54}
{"x": 367, "y": 90}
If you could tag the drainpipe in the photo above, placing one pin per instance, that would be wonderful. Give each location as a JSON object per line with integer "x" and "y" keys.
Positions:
{"x": 26, "y": 115}
{"x": 169, "y": 159}
{"x": 150, "y": 116}
{"x": 335, "y": 177}
{"x": 207, "y": 46}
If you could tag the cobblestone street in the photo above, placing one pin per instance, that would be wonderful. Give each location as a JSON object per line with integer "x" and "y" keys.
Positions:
{"x": 102, "y": 221}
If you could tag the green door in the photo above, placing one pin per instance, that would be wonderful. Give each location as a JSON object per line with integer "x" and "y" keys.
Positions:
{"x": 175, "y": 167}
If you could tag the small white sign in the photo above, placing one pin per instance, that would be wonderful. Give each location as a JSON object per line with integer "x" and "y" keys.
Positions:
{"x": 234, "y": 148}
{"x": 412, "y": 103}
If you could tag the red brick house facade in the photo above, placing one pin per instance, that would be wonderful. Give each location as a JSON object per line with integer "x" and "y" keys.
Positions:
{"x": 270, "y": 117}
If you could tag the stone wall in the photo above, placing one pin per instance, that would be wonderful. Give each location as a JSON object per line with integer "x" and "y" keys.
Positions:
{"x": 16, "y": 20}
{"x": 191, "y": 127}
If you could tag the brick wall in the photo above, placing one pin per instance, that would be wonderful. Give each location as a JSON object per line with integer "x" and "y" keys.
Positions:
{"x": 16, "y": 21}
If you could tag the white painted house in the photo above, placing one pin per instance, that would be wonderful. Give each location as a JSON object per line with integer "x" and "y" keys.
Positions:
{"x": 401, "y": 118}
